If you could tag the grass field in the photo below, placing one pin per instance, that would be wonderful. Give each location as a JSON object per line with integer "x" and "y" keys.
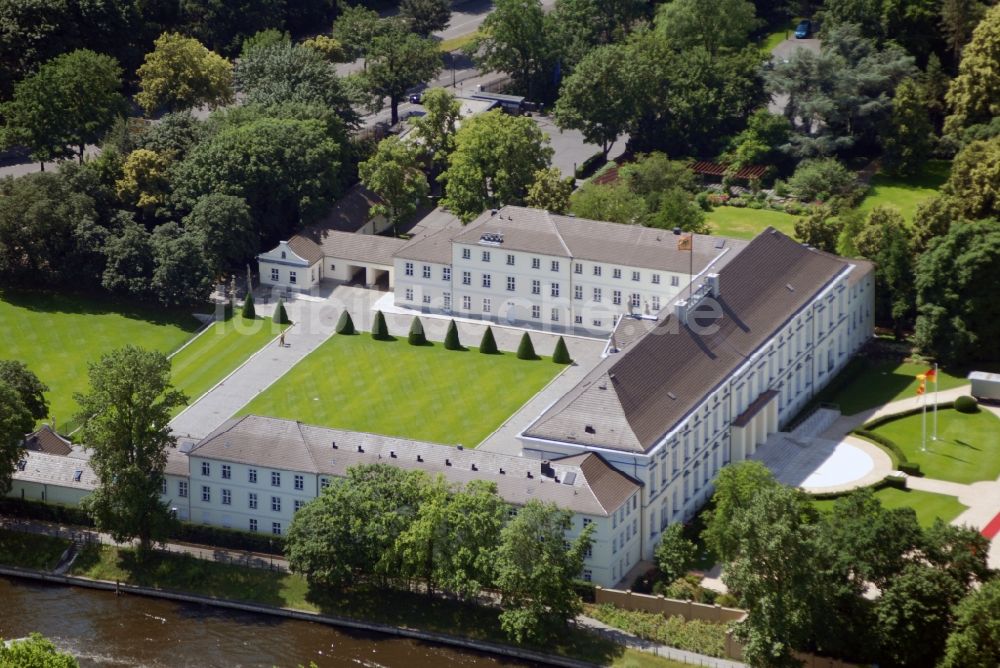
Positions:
{"x": 218, "y": 351}
{"x": 906, "y": 193}
{"x": 967, "y": 449}
{"x": 30, "y": 550}
{"x": 390, "y": 387}
{"x": 742, "y": 223}
{"x": 56, "y": 336}
{"x": 928, "y": 506}
{"x": 878, "y": 383}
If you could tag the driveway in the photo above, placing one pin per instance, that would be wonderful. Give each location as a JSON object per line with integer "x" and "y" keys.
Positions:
{"x": 783, "y": 52}
{"x": 571, "y": 149}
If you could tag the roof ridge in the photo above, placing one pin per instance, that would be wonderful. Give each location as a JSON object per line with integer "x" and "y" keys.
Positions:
{"x": 306, "y": 446}
{"x": 552, "y": 223}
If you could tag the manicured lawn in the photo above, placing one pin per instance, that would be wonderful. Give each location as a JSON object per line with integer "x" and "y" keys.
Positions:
{"x": 56, "y": 336}
{"x": 393, "y": 388}
{"x": 967, "y": 449}
{"x": 906, "y": 194}
{"x": 743, "y": 223}
{"x": 218, "y": 351}
{"x": 30, "y": 550}
{"x": 927, "y": 505}
{"x": 873, "y": 384}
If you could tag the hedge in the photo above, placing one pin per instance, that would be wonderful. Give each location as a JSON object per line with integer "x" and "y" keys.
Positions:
{"x": 526, "y": 349}
{"x": 966, "y": 404}
{"x": 380, "y": 331}
{"x": 345, "y": 325}
{"x": 45, "y": 512}
{"x": 280, "y": 314}
{"x": 693, "y": 636}
{"x": 561, "y": 354}
{"x": 416, "y": 336}
{"x": 590, "y": 165}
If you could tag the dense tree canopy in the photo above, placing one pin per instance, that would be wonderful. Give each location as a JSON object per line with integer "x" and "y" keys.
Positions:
{"x": 180, "y": 73}
{"x": 15, "y": 421}
{"x": 426, "y": 16}
{"x": 974, "y": 182}
{"x": 396, "y": 62}
{"x": 713, "y": 25}
{"x": 975, "y": 636}
{"x": 30, "y": 390}
{"x": 594, "y": 99}
{"x": 514, "y": 39}
{"x": 436, "y": 129}
{"x": 35, "y": 651}
{"x": 395, "y": 174}
{"x": 974, "y": 95}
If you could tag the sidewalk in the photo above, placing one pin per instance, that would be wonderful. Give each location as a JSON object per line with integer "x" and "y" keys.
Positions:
{"x": 848, "y": 423}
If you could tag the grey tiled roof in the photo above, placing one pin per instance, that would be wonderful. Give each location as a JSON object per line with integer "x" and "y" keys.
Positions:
{"x": 371, "y": 248}
{"x": 350, "y": 212}
{"x": 44, "y": 468}
{"x": 434, "y": 247}
{"x": 306, "y": 248}
{"x": 632, "y": 399}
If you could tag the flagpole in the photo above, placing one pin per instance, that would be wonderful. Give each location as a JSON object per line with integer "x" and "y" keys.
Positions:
{"x": 934, "y": 437}
{"x": 923, "y": 423}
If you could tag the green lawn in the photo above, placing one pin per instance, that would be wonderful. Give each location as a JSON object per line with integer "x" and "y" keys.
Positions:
{"x": 779, "y": 35}
{"x": 927, "y": 505}
{"x": 218, "y": 351}
{"x": 393, "y": 388}
{"x": 906, "y": 193}
{"x": 872, "y": 384}
{"x": 56, "y": 336}
{"x": 743, "y": 223}
{"x": 967, "y": 449}
{"x": 30, "y": 550}
{"x": 456, "y": 43}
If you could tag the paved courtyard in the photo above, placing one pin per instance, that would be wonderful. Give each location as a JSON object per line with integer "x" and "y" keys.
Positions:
{"x": 820, "y": 465}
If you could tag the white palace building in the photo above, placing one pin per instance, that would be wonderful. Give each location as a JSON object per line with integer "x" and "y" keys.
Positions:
{"x": 695, "y": 377}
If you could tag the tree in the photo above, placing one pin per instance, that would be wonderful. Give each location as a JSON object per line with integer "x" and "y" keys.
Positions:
{"x": 129, "y": 260}
{"x": 181, "y": 274}
{"x": 15, "y": 421}
{"x": 426, "y": 16}
{"x": 286, "y": 72}
{"x": 174, "y": 135}
{"x": 959, "y": 551}
{"x": 561, "y": 355}
{"x": 823, "y": 179}
{"x": 416, "y": 336}
{"x": 760, "y": 142}
{"x": 345, "y": 324}
{"x": 225, "y": 229}
{"x": 908, "y": 142}
{"x": 436, "y": 129}
{"x": 933, "y": 219}
{"x": 395, "y": 62}
{"x": 578, "y": 26}
{"x": 30, "y": 390}
{"x": 451, "y": 341}
{"x": 35, "y": 651}
{"x": 958, "y": 19}
{"x": 675, "y": 554}
{"x": 473, "y": 520}
{"x": 596, "y": 98}
{"x": 974, "y": 95}
{"x": 395, "y": 174}
{"x": 125, "y": 426}
{"x": 735, "y": 487}
{"x": 280, "y": 314}
{"x": 380, "y": 332}
{"x": 975, "y": 635}
{"x": 356, "y": 28}
{"x": 819, "y": 229}
{"x": 495, "y": 160}
{"x": 514, "y": 39}
{"x": 488, "y": 344}
{"x": 957, "y": 312}
{"x": 180, "y": 73}
{"x": 526, "y": 349}
{"x": 145, "y": 182}
{"x": 331, "y": 50}
{"x": 613, "y": 202}
{"x": 249, "y": 312}
{"x": 225, "y": 26}
{"x": 263, "y": 39}
{"x": 885, "y": 239}
{"x": 550, "y": 192}
{"x": 974, "y": 182}
{"x": 714, "y": 25}
{"x": 535, "y": 572}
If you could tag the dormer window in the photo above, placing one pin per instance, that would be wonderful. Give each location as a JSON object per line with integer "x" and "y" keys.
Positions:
{"x": 283, "y": 255}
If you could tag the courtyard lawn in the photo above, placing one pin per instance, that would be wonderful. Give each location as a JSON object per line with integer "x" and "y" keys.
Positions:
{"x": 967, "y": 449}
{"x": 870, "y": 384}
{"x": 393, "y": 388}
{"x": 927, "y": 505}
{"x": 906, "y": 193}
{"x": 57, "y": 335}
{"x": 743, "y": 223}
{"x": 218, "y": 351}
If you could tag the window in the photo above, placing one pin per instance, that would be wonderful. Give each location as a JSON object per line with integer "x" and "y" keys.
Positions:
{"x": 298, "y": 504}
{"x": 487, "y": 305}
{"x": 206, "y": 493}
{"x": 163, "y": 486}
{"x": 275, "y": 276}
{"x": 252, "y": 501}
{"x": 408, "y": 294}
{"x": 536, "y": 287}
{"x": 426, "y": 271}
{"x": 510, "y": 284}
{"x": 446, "y": 298}
{"x": 445, "y": 273}
{"x": 227, "y": 471}
{"x": 635, "y": 300}
{"x": 252, "y": 475}
{"x": 586, "y": 522}
{"x": 467, "y": 302}
{"x": 466, "y": 278}
{"x": 577, "y": 268}
{"x": 536, "y": 263}
{"x": 555, "y": 289}
{"x": 597, "y": 295}
{"x": 206, "y": 469}
{"x": 588, "y": 576}
{"x": 675, "y": 281}
{"x": 486, "y": 256}
{"x": 487, "y": 281}
{"x": 597, "y": 323}
{"x": 616, "y": 297}
{"x": 426, "y": 299}
{"x": 656, "y": 279}
{"x": 324, "y": 483}
{"x": 536, "y": 312}
{"x": 253, "y": 525}
{"x": 466, "y": 254}
{"x": 555, "y": 265}
{"x": 275, "y": 479}
{"x": 300, "y": 482}
{"x": 617, "y": 273}
{"x": 510, "y": 260}
{"x": 656, "y": 302}
{"x": 333, "y": 267}
{"x": 182, "y": 489}
{"x": 292, "y": 277}
{"x": 408, "y": 269}
{"x": 578, "y": 319}
{"x": 597, "y": 270}
{"x": 555, "y": 315}
{"x": 635, "y": 276}
{"x": 578, "y": 292}
{"x": 227, "y": 497}
{"x": 276, "y": 504}
{"x": 276, "y": 528}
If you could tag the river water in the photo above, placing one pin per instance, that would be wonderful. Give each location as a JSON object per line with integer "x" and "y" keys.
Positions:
{"x": 102, "y": 629}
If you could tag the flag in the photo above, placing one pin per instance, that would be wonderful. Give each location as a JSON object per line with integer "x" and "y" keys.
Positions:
{"x": 920, "y": 388}
{"x": 685, "y": 242}
{"x": 931, "y": 374}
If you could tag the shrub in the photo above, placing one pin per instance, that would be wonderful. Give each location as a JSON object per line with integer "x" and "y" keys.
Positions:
{"x": 488, "y": 345}
{"x": 694, "y": 636}
{"x": 561, "y": 354}
{"x": 910, "y": 468}
{"x": 416, "y": 336}
{"x": 966, "y": 404}
{"x": 781, "y": 188}
{"x": 754, "y": 204}
{"x": 526, "y": 349}
{"x": 822, "y": 179}
{"x": 280, "y": 315}
{"x": 451, "y": 340}
{"x": 248, "y": 310}
{"x": 380, "y": 331}
{"x": 345, "y": 325}
{"x": 896, "y": 481}
{"x": 590, "y": 165}
{"x": 704, "y": 201}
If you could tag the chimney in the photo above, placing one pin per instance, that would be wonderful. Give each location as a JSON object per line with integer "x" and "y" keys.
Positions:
{"x": 547, "y": 469}
{"x": 681, "y": 311}
{"x": 712, "y": 281}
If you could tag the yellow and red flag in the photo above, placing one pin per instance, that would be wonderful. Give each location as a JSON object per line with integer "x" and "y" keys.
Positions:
{"x": 685, "y": 242}
{"x": 921, "y": 388}
{"x": 931, "y": 374}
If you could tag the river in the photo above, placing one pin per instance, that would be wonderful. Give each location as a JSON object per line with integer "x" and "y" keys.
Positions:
{"x": 102, "y": 629}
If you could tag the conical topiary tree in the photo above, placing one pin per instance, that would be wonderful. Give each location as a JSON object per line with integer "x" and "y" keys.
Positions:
{"x": 526, "y": 349}
{"x": 561, "y": 354}
{"x": 248, "y": 310}
{"x": 451, "y": 340}
{"x": 380, "y": 331}
{"x": 488, "y": 346}
{"x": 280, "y": 315}
{"x": 345, "y": 325}
{"x": 417, "y": 337}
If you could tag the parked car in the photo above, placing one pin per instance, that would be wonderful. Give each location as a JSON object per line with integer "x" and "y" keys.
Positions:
{"x": 803, "y": 29}
{"x": 415, "y": 98}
